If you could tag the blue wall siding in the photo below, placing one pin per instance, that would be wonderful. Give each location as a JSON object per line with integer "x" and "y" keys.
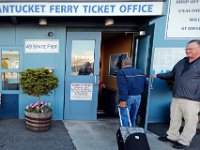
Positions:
{"x": 13, "y": 37}
{"x": 7, "y": 36}
{"x": 9, "y": 106}
{"x": 160, "y": 96}
{"x": 56, "y": 61}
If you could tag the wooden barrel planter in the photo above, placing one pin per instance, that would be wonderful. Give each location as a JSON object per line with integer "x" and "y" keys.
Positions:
{"x": 38, "y": 121}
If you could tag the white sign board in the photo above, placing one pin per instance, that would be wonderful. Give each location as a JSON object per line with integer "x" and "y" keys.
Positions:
{"x": 81, "y": 91}
{"x": 41, "y": 46}
{"x": 166, "y": 58}
{"x": 183, "y": 19}
{"x": 82, "y": 9}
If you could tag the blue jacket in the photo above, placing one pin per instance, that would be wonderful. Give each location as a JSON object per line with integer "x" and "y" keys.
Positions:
{"x": 130, "y": 81}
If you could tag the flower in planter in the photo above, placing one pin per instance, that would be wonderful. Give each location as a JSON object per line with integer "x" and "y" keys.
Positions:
{"x": 38, "y": 82}
{"x": 38, "y": 107}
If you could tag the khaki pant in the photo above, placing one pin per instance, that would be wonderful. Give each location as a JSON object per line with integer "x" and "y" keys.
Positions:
{"x": 187, "y": 109}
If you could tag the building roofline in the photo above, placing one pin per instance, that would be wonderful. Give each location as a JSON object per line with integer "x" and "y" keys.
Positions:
{"x": 82, "y": 1}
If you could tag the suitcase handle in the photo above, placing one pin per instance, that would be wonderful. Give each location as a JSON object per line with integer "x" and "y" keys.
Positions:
{"x": 120, "y": 117}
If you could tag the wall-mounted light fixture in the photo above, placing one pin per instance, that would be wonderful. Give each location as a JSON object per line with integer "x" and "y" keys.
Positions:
{"x": 42, "y": 21}
{"x": 50, "y": 34}
{"x": 142, "y": 33}
{"x": 109, "y": 21}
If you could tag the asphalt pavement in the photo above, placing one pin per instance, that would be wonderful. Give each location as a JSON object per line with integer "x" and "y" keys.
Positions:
{"x": 101, "y": 135}
{"x": 15, "y": 136}
{"x": 72, "y": 135}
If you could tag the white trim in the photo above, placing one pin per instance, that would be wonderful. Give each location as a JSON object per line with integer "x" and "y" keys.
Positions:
{"x": 82, "y": 9}
{"x": 129, "y": 76}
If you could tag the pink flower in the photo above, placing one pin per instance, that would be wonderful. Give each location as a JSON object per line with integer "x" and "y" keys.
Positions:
{"x": 41, "y": 102}
{"x": 36, "y": 104}
{"x": 39, "y": 106}
{"x": 31, "y": 105}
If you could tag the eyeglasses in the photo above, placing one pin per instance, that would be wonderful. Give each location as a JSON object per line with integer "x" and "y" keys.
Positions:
{"x": 191, "y": 49}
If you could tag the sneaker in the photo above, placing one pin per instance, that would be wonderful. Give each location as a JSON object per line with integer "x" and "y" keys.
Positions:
{"x": 179, "y": 146}
{"x": 165, "y": 139}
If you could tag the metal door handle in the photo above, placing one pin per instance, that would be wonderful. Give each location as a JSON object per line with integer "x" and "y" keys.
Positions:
{"x": 95, "y": 79}
{"x": 151, "y": 84}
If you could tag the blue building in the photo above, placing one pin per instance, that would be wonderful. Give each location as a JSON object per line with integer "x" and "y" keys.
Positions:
{"x": 82, "y": 41}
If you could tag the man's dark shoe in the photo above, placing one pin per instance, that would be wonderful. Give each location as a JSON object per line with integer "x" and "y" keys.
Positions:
{"x": 179, "y": 146}
{"x": 165, "y": 139}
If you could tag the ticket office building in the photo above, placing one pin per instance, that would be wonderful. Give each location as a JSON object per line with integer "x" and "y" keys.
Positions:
{"x": 59, "y": 37}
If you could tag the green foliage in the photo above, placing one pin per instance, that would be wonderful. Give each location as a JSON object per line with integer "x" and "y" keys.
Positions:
{"x": 38, "y": 82}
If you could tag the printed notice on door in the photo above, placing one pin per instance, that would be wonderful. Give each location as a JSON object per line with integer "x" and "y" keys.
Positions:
{"x": 81, "y": 91}
{"x": 183, "y": 19}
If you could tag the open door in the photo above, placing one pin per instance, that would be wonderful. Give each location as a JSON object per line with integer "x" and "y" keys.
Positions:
{"x": 142, "y": 62}
{"x": 82, "y": 75}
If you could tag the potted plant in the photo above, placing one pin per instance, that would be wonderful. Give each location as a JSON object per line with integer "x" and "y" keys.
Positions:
{"x": 38, "y": 82}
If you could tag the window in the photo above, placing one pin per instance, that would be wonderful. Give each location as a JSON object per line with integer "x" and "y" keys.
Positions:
{"x": 10, "y": 81}
{"x": 115, "y": 63}
{"x": 82, "y": 57}
{"x": 10, "y": 59}
{"x": 9, "y": 68}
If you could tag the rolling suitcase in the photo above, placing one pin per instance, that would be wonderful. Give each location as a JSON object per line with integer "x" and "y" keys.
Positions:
{"x": 131, "y": 138}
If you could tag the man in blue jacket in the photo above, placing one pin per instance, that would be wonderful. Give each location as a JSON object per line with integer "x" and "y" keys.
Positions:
{"x": 186, "y": 97}
{"x": 131, "y": 83}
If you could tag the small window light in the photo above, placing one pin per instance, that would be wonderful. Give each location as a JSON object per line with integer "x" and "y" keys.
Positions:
{"x": 42, "y": 21}
{"x": 109, "y": 21}
{"x": 142, "y": 33}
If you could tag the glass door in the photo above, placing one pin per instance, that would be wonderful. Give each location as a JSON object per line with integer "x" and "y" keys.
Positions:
{"x": 143, "y": 63}
{"x": 9, "y": 85}
{"x": 82, "y": 75}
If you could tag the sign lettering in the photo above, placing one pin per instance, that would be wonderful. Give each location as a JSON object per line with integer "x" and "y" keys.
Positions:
{"x": 82, "y": 9}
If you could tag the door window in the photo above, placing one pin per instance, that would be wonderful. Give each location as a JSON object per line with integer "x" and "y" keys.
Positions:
{"x": 82, "y": 57}
{"x": 10, "y": 81}
{"x": 10, "y": 61}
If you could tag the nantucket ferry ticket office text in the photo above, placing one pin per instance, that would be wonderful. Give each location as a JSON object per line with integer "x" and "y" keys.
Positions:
{"x": 64, "y": 35}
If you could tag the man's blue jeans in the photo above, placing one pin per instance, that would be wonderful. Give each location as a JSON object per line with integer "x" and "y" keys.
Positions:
{"x": 133, "y": 104}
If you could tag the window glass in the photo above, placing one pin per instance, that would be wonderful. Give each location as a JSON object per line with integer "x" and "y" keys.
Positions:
{"x": 10, "y": 81}
{"x": 10, "y": 59}
{"x": 82, "y": 57}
